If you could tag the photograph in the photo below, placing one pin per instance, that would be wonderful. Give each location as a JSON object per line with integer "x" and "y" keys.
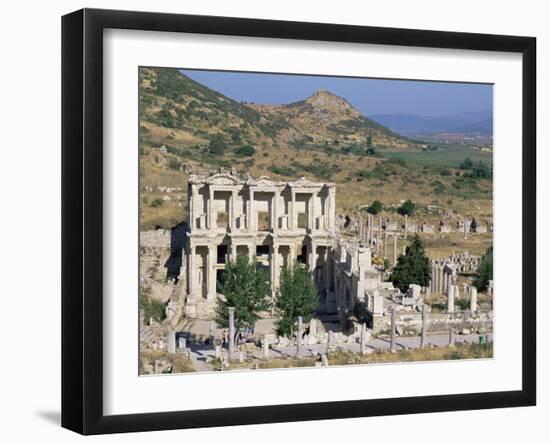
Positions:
{"x": 294, "y": 220}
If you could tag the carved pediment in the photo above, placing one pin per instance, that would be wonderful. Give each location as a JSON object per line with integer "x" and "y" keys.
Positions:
{"x": 222, "y": 179}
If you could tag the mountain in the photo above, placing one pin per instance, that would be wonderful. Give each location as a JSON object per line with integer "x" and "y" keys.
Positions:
{"x": 465, "y": 122}
{"x": 171, "y": 100}
{"x": 327, "y": 118}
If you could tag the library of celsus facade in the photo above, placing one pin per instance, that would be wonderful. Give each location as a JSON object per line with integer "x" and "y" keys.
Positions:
{"x": 277, "y": 223}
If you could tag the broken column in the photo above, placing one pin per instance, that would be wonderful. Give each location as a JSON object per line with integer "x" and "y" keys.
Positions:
{"x": 394, "y": 250}
{"x": 182, "y": 344}
{"x": 231, "y": 312}
{"x": 299, "y": 338}
{"x": 424, "y": 325}
{"x": 265, "y": 347}
{"x": 393, "y": 328}
{"x": 363, "y": 338}
{"x": 171, "y": 341}
{"x": 330, "y": 340}
{"x": 451, "y": 336}
{"x": 451, "y": 298}
{"x": 473, "y": 299}
{"x": 406, "y": 227}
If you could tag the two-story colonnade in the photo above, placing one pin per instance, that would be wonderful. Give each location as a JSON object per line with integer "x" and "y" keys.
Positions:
{"x": 273, "y": 222}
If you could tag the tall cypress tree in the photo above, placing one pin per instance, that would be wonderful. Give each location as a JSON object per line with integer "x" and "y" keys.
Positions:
{"x": 485, "y": 270}
{"x": 412, "y": 268}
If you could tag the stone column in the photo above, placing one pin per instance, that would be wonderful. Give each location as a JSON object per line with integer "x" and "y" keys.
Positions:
{"x": 299, "y": 338}
{"x": 440, "y": 279}
{"x": 312, "y": 226}
{"x": 192, "y": 272}
{"x": 465, "y": 230}
{"x": 473, "y": 299}
{"x": 292, "y": 254}
{"x": 171, "y": 341}
{"x": 209, "y": 215}
{"x": 394, "y": 250}
{"x": 332, "y": 211}
{"x": 312, "y": 259}
{"x": 369, "y": 230}
{"x": 191, "y": 192}
{"x": 424, "y": 325}
{"x": 231, "y": 312}
{"x": 182, "y": 344}
{"x": 211, "y": 273}
{"x": 451, "y": 336}
{"x": 327, "y": 271}
{"x": 233, "y": 251}
{"x": 232, "y": 204}
{"x": 252, "y": 216}
{"x": 265, "y": 347}
{"x": 291, "y": 223}
{"x": 385, "y": 245}
{"x": 363, "y": 338}
{"x": 275, "y": 211}
{"x": 451, "y": 299}
{"x": 406, "y": 224}
{"x": 274, "y": 268}
{"x": 393, "y": 328}
{"x": 379, "y": 232}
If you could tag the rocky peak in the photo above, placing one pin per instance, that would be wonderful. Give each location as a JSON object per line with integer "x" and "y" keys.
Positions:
{"x": 327, "y": 101}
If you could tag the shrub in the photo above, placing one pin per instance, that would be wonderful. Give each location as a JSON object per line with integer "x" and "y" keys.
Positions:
{"x": 217, "y": 145}
{"x": 174, "y": 164}
{"x": 152, "y": 309}
{"x": 376, "y": 207}
{"x": 245, "y": 151}
{"x": 462, "y": 303}
{"x": 282, "y": 170}
{"x": 156, "y": 202}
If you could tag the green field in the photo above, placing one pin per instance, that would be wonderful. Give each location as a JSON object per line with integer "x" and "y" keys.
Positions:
{"x": 447, "y": 156}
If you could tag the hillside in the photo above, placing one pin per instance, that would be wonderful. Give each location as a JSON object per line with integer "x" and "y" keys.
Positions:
{"x": 185, "y": 126}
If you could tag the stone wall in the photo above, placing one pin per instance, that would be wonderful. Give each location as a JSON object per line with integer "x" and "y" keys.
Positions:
{"x": 410, "y": 323}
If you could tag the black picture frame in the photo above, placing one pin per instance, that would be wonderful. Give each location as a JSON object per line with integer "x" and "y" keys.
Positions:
{"x": 82, "y": 219}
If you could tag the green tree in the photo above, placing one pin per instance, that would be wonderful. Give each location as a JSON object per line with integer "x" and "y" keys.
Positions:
{"x": 369, "y": 141}
{"x": 407, "y": 208}
{"x": 217, "y": 145}
{"x": 467, "y": 163}
{"x": 412, "y": 268}
{"x": 297, "y": 296}
{"x": 485, "y": 270}
{"x": 376, "y": 207}
{"x": 481, "y": 170}
{"x": 245, "y": 288}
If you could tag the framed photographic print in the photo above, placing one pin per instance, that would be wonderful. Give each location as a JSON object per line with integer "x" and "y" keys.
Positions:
{"x": 270, "y": 221}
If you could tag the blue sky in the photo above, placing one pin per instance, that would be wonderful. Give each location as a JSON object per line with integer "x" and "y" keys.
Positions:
{"x": 370, "y": 96}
